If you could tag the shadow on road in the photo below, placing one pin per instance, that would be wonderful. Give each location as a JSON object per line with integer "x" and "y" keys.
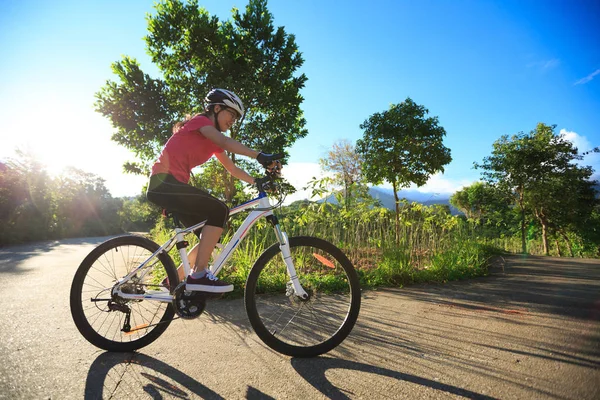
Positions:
{"x": 135, "y": 375}
{"x": 452, "y": 329}
{"x": 314, "y": 371}
{"x": 560, "y": 287}
{"x": 11, "y": 257}
{"x": 428, "y": 345}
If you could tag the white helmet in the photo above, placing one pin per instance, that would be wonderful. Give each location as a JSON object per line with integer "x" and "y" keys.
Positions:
{"x": 226, "y": 98}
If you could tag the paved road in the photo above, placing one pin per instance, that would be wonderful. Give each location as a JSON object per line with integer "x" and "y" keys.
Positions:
{"x": 529, "y": 331}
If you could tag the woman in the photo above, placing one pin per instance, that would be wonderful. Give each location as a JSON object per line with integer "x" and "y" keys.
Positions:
{"x": 193, "y": 142}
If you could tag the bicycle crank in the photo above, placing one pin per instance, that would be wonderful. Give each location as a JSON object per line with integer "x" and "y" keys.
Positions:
{"x": 187, "y": 304}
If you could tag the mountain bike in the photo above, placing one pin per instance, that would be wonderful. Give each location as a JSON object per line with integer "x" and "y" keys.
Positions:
{"x": 302, "y": 295}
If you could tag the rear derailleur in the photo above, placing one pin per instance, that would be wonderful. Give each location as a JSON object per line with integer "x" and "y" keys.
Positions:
{"x": 115, "y": 306}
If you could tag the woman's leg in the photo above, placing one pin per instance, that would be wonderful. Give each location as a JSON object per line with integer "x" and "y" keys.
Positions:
{"x": 208, "y": 241}
{"x": 202, "y": 280}
{"x": 192, "y": 206}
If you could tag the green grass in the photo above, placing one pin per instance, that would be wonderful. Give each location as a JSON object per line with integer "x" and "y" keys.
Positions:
{"x": 462, "y": 260}
{"x": 424, "y": 253}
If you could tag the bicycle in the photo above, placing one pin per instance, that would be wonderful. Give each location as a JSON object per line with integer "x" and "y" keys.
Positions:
{"x": 302, "y": 295}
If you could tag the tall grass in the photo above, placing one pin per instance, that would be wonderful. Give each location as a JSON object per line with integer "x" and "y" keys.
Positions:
{"x": 431, "y": 246}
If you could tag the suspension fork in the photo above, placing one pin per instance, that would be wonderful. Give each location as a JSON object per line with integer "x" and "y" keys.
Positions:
{"x": 284, "y": 245}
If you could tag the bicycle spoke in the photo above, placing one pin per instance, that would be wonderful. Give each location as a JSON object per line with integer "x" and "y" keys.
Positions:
{"x": 147, "y": 317}
{"x": 311, "y": 325}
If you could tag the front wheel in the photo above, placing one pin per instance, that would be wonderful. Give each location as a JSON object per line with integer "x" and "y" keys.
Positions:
{"x": 303, "y": 327}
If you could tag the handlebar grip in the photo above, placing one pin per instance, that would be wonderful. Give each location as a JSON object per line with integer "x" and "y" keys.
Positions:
{"x": 265, "y": 159}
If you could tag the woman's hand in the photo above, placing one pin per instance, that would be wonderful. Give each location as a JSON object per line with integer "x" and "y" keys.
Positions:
{"x": 271, "y": 162}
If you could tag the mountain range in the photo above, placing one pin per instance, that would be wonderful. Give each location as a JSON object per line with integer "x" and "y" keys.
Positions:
{"x": 386, "y": 197}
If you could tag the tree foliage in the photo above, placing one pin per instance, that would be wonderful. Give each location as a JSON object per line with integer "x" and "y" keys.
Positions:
{"x": 402, "y": 146}
{"x": 194, "y": 53}
{"x": 84, "y": 206}
{"x": 562, "y": 203}
{"x": 480, "y": 201}
{"x": 345, "y": 163}
{"x": 487, "y": 206}
{"x": 25, "y": 200}
{"x": 538, "y": 168}
{"x": 35, "y": 206}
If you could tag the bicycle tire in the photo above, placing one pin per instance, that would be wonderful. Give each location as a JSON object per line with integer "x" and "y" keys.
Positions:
{"x": 330, "y": 273}
{"x": 91, "y": 276}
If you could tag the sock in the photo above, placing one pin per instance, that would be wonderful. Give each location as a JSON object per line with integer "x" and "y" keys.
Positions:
{"x": 198, "y": 275}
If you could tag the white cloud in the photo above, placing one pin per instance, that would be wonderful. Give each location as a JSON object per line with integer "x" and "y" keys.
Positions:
{"x": 588, "y": 78}
{"x": 299, "y": 174}
{"x": 438, "y": 184}
{"x": 579, "y": 141}
{"x": 583, "y": 145}
{"x": 544, "y": 65}
{"x": 550, "y": 64}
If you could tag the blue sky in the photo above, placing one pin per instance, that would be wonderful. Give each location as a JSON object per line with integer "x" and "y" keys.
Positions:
{"x": 485, "y": 68}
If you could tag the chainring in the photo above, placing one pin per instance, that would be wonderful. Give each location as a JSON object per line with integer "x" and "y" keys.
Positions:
{"x": 187, "y": 304}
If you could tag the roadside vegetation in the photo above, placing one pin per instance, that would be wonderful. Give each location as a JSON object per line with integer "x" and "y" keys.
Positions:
{"x": 536, "y": 194}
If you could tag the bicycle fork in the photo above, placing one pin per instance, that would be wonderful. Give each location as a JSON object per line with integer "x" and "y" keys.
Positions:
{"x": 284, "y": 245}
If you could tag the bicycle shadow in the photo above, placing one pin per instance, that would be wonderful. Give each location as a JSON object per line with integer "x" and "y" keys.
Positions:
{"x": 136, "y": 375}
{"x": 314, "y": 371}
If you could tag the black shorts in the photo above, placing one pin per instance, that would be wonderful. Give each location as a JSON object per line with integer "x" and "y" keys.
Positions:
{"x": 189, "y": 204}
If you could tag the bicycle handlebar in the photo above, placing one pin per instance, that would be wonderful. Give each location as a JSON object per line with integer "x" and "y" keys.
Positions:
{"x": 272, "y": 174}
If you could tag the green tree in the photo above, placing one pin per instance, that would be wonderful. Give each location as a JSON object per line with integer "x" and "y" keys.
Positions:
{"x": 487, "y": 207}
{"x": 216, "y": 180}
{"x": 527, "y": 162}
{"x": 472, "y": 200}
{"x": 480, "y": 200}
{"x": 196, "y": 52}
{"x": 345, "y": 163}
{"x": 84, "y": 206}
{"x": 138, "y": 214}
{"x": 25, "y": 200}
{"x": 564, "y": 201}
{"x": 402, "y": 145}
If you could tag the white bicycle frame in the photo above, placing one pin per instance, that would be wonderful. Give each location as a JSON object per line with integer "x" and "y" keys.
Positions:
{"x": 265, "y": 210}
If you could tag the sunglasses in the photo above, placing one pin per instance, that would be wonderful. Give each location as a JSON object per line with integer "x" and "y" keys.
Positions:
{"x": 234, "y": 114}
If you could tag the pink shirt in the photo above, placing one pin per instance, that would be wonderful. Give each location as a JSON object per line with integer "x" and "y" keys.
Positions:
{"x": 185, "y": 150}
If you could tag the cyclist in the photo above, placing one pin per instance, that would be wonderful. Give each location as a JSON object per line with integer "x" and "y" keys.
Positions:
{"x": 195, "y": 141}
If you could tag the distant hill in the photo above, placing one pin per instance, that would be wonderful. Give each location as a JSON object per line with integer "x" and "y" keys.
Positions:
{"x": 386, "y": 197}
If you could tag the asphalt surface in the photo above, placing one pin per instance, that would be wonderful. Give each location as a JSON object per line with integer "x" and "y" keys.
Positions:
{"x": 531, "y": 330}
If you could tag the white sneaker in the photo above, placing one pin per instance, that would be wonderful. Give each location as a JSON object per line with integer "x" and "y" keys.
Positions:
{"x": 208, "y": 283}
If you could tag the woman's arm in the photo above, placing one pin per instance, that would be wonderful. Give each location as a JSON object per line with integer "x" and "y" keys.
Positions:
{"x": 233, "y": 169}
{"x": 227, "y": 143}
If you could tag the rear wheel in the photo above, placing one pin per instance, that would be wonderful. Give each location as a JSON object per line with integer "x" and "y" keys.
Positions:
{"x": 111, "y": 322}
{"x": 303, "y": 327}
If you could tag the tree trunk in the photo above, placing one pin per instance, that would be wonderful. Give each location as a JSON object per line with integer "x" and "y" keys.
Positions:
{"x": 568, "y": 242}
{"x": 540, "y": 216}
{"x": 558, "y": 247}
{"x": 523, "y": 240}
{"x": 229, "y": 183}
{"x": 397, "y": 214}
{"x": 545, "y": 235}
{"x": 346, "y": 196}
